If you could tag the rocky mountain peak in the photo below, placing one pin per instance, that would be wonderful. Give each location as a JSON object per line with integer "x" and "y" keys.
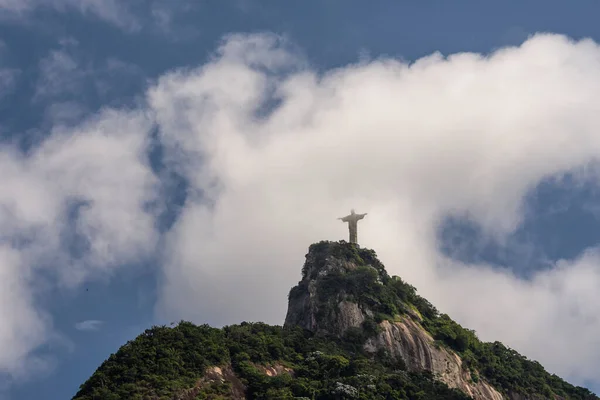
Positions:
{"x": 344, "y": 286}
{"x": 345, "y": 292}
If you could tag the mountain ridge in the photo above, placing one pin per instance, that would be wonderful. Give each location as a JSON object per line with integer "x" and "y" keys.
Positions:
{"x": 351, "y": 331}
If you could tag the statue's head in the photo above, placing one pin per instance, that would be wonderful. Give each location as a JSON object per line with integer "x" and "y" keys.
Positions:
{"x": 352, "y": 211}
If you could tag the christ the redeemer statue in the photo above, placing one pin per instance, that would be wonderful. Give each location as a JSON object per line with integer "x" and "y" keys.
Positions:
{"x": 352, "y": 221}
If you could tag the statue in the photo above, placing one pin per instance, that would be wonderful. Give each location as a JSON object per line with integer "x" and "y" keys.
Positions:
{"x": 352, "y": 221}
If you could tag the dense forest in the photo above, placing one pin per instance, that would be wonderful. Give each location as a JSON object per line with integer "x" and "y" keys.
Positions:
{"x": 172, "y": 363}
{"x": 163, "y": 362}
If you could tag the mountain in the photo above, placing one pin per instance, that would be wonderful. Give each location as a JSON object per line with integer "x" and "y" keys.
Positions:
{"x": 351, "y": 332}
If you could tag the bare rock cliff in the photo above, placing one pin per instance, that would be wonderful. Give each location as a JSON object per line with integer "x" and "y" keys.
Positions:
{"x": 406, "y": 339}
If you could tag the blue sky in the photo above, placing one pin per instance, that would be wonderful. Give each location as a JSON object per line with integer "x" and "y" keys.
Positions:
{"x": 132, "y": 200}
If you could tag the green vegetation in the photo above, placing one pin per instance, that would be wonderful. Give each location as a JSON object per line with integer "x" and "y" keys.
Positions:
{"x": 165, "y": 362}
{"x": 158, "y": 362}
{"x": 173, "y": 363}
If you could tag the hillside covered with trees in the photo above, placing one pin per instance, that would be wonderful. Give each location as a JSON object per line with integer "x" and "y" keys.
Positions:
{"x": 258, "y": 361}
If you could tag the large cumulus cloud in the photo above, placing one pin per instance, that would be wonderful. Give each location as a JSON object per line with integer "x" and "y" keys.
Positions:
{"x": 274, "y": 152}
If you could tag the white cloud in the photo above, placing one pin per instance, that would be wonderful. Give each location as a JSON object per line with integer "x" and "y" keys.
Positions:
{"x": 468, "y": 135}
{"x": 101, "y": 163}
{"x": 8, "y": 78}
{"x": 15, "y": 5}
{"x": 553, "y": 318}
{"x": 166, "y": 17}
{"x": 65, "y": 72}
{"x": 112, "y": 11}
{"x": 23, "y": 327}
{"x": 8, "y": 75}
{"x": 59, "y": 73}
{"x": 131, "y": 16}
{"x": 89, "y": 325}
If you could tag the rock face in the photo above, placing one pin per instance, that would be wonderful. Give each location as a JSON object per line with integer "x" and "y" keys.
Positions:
{"x": 225, "y": 373}
{"x": 315, "y": 311}
{"x": 415, "y": 346}
{"x": 216, "y": 375}
{"x": 318, "y": 305}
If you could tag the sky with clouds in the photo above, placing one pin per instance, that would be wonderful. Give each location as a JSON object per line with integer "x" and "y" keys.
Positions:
{"x": 174, "y": 160}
